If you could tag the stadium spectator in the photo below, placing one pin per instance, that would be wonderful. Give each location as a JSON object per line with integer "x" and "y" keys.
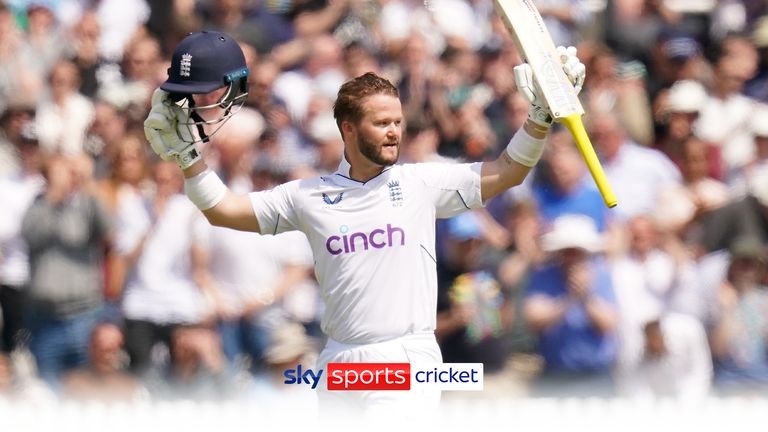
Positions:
{"x": 290, "y": 346}
{"x": 249, "y": 274}
{"x": 724, "y": 117}
{"x": 473, "y": 312}
{"x": 738, "y": 335}
{"x": 19, "y": 190}
{"x": 745, "y": 217}
{"x": 665, "y": 355}
{"x": 64, "y": 116}
{"x": 680, "y": 209}
{"x": 157, "y": 238}
{"x": 655, "y": 274}
{"x": 570, "y": 305}
{"x": 677, "y": 113}
{"x": 83, "y": 51}
{"x": 633, "y": 171}
{"x": 65, "y": 229}
{"x": 103, "y": 378}
{"x": 21, "y": 73}
{"x": 15, "y": 120}
{"x": 676, "y": 56}
{"x": 20, "y": 388}
{"x": 198, "y": 371}
{"x": 561, "y": 185}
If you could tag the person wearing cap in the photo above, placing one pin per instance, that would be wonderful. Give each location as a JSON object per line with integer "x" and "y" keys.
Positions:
{"x": 679, "y": 110}
{"x": 571, "y": 306}
{"x": 676, "y": 56}
{"x": 369, "y": 217}
{"x": 739, "y": 334}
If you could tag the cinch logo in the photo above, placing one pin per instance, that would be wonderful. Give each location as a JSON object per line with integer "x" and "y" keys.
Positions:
{"x": 377, "y": 239}
{"x": 390, "y": 376}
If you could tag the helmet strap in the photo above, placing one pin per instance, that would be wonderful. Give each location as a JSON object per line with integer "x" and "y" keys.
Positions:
{"x": 199, "y": 121}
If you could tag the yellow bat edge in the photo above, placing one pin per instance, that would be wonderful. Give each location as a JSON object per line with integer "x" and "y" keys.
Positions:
{"x": 576, "y": 126}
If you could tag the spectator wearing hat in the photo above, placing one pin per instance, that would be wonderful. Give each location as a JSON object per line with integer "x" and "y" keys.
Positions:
{"x": 571, "y": 306}
{"x": 289, "y": 347}
{"x": 676, "y": 56}
{"x": 677, "y": 113}
{"x": 739, "y": 332}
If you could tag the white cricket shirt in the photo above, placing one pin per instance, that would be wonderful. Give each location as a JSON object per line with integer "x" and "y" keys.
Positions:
{"x": 373, "y": 242}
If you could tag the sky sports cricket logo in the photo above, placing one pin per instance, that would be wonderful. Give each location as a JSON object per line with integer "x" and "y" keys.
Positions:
{"x": 389, "y": 376}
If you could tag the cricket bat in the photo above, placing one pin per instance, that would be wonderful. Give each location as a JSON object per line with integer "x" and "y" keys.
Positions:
{"x": 537, "y": 48}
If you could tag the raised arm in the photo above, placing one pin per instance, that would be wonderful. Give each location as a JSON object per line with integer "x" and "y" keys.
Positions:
{"x": 232, "y": 210}
{"x": 527, "y": 145}
{"x": 203, "y": 187}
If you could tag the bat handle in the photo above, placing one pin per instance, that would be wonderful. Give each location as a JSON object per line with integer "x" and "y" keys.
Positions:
{"x": 574, "y": 124}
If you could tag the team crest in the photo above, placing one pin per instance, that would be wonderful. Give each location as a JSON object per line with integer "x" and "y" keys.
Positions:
{"x": 327, "y": 199}
{"x": 395, "y": 193}
{"x": 185, "y": 67}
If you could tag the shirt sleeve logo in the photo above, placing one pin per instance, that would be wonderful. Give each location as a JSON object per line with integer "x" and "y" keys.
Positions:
{"x": 327, "y": 199}
{"x": 395, "y": 193}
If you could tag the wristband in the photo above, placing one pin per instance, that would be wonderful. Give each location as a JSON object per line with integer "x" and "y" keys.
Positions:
{"x": 205, "y": 190}
{"x": 525, "y": 149}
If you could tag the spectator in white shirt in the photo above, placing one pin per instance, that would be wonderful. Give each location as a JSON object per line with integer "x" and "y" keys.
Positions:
{"x": 636, "y": 173}
{"x": 157, "y": 238}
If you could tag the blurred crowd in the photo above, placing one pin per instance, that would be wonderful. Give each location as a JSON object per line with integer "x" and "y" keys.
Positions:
{"x": 114, "y": 287}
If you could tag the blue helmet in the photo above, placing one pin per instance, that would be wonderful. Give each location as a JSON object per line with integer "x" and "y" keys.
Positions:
{"x": 203, "y": 62}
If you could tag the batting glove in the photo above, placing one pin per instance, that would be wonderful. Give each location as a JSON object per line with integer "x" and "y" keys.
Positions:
{"x": 169, "y": 140}
{"x": 539, "y": 111}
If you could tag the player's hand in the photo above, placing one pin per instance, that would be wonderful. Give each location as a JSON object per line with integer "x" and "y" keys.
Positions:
{"x": 539, "y": 111}
{"x": 169, "y": 140}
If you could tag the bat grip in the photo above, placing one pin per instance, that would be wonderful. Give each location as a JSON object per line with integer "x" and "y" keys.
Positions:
{"x": 574, "y": 124}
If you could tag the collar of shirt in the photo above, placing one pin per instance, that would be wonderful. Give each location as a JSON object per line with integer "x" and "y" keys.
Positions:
{"x": 343, "y": 177}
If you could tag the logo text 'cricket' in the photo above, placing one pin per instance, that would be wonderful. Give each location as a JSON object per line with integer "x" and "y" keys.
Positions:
{"x": 359, "y": 241}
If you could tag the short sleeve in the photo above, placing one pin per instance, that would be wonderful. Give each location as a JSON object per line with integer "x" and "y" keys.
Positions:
{"x": 275, "y": 209}
{"x": 453, "y": 188}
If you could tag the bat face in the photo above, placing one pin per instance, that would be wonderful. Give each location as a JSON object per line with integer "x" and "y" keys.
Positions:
{"x": 535, "y": 45}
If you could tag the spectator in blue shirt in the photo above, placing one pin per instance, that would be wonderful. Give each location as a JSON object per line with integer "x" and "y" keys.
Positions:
{"x": 571, "y": 306}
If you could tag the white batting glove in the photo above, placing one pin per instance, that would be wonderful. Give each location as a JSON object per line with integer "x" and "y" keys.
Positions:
{"x": 539, "y": 111}
{"x": 169, "y": 140}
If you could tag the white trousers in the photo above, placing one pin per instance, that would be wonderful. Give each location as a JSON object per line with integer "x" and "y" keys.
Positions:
{"x": 414, "y": 348}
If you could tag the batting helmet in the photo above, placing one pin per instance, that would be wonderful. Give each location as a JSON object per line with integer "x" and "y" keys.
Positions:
{"x": 203, "y": 62}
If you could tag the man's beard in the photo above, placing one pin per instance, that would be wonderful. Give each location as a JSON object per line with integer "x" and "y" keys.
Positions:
{"x": 370, "y": 150}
